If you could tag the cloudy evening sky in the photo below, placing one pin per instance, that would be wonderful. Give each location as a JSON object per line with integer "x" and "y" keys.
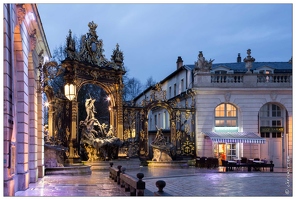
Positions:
{"x": 152, "y": 36}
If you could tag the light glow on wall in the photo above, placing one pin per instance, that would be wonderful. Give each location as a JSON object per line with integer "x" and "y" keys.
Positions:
{"x": 29, "y": 17}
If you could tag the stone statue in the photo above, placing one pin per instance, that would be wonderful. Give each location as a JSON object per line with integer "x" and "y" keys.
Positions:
{"x": 90, "y": 108}
{"x": 161, "y": 148}
{"x": 202, "y": 65}
{"x": 159, "y": 138}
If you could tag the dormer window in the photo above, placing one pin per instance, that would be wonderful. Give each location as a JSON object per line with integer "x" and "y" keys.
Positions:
{"x": 265, "y": 72}
{"x": 220, "y": 72}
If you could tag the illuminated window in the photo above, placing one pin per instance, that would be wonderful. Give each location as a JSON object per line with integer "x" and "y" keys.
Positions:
{"x": 225, "y": 115}
{"x": 231, "y": 151}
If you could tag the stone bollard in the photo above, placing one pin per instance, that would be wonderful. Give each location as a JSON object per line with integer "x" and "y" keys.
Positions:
{"x": 110, "y": 164}
{"x": 122, "y": 184}
{"x": 118, "y": 174}
{"x": 160, "y": 184}
{"x": 140, "y": 184}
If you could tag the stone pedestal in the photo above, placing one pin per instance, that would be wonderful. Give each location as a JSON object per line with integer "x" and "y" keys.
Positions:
{"x": 160, "y": 155}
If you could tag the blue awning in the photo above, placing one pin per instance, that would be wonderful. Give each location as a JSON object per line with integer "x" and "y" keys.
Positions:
{"x": 235, "y": 137}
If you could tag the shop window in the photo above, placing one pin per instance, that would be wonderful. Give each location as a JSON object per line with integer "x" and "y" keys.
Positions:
{"x": 231, "y": 151}
{"x": 276, "y": 135}
{"x": 265, "y": 134}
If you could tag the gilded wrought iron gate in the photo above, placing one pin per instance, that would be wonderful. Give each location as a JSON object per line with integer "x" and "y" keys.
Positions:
{"x": 181, "y": 111}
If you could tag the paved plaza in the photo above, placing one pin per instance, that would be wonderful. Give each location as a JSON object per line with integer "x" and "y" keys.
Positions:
{"x": 180, "y": 181}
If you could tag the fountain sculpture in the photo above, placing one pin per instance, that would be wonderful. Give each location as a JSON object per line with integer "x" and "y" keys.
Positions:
{"x": 96, "y": 142}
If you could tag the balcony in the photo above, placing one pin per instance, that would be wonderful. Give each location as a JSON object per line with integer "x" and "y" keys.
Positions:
{"x": 243, "y": 80}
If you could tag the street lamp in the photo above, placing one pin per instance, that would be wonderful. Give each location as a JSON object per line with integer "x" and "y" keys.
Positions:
{"x": 70, "y": 91}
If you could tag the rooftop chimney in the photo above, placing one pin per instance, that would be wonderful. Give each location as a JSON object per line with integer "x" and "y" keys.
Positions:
{"x": 179, "y": 62}
{"x": 239, "y": 59}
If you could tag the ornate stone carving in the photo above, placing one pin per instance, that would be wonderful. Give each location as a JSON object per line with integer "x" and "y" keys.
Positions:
{"x": 227, "y": 96}
{"x": 33, "y": 40}
{"x": 203, "y": 65}
{"x": 273, "y": 96}
{"x": 21, "y": 13}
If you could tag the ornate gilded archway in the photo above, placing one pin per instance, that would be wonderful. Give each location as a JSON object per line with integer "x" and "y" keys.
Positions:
{"x": 86, "y": 65}
{"x": 182, "y": 121}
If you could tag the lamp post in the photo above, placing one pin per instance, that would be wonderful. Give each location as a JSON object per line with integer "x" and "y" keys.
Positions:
{"x": 70, "y": 93}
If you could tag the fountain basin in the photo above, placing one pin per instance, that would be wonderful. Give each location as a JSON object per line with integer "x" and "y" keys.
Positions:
{"x": 71, "y": 170}
{"x": 177, "y": 164}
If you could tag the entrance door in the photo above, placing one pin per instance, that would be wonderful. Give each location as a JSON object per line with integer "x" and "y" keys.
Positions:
{"x": 272, "y": 150}
{"x": 276, "y": 151}
{"x": 264, "y": 150}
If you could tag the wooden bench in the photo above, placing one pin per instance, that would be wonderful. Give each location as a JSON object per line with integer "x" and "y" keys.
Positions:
{"x": 136, "y": 187}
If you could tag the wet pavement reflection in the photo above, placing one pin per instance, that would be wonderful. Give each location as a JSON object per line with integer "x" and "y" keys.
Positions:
{"x": 187, "y": 181}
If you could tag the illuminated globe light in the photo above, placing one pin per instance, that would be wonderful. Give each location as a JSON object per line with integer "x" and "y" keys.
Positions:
{"x": 70, "y": 91}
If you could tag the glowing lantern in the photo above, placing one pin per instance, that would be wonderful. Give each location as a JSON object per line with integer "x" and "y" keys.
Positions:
{"x": 70, "y": 91}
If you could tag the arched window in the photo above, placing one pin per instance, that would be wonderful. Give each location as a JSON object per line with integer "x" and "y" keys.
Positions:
{"x": 271, "y": 115}
{"x": 226, "y": 115}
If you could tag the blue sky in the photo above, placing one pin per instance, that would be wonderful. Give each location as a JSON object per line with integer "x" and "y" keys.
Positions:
{"x": 152, "y": 36}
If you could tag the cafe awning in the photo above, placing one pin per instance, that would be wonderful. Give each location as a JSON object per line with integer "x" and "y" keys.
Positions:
{"x": 235, "y": 137}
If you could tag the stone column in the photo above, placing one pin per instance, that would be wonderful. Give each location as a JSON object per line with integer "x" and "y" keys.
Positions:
{"x": 40, "y": 136}
{"x": 119, "y": 112}
{"x": 22, "y": 108}
{"x": 51, "y": 110}
{"x": 33, "y": 122}
{"x": 73, "y": 130}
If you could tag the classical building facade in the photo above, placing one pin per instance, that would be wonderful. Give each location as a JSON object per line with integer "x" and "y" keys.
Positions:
{"x": 25, "y": 47}
{"x": 242, "y": 109}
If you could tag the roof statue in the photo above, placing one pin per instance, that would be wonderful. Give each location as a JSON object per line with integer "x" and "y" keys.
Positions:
{"x": 203, "y": 65}
{"x": 249, "y": 60}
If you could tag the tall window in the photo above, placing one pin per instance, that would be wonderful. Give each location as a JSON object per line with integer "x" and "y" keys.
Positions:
{"x": 164, "y": 120}
{"x": 225, "y": 115}
{"x": 271, "y": 115}
{"x": 182, "y": 85}
{"x": 175, "y": 89}
{"x": 170, "y": 92}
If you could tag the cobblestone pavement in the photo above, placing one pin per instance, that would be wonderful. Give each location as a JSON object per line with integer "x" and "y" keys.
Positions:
{"x": 188, "y": 182}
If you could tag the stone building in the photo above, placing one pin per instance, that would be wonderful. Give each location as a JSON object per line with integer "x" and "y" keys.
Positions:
{"x": 243, "y": 109}
{"x": 25, "y": 47}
